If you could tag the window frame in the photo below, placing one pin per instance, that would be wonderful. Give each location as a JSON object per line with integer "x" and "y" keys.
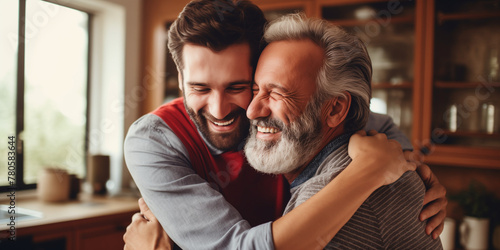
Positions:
{"x": 20, "y": 93}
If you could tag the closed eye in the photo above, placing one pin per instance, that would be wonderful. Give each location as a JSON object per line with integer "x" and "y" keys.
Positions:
{"x": 200, "y": 90}
{"x": 276, "y": 95}
{"x": 237, "y": 89}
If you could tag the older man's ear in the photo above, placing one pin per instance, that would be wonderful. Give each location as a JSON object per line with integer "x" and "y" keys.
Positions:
{"x": 337, "y": 109}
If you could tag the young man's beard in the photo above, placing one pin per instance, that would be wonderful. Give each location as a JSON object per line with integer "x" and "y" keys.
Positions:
{"x": 223, "y": 141}
{"x": 299, "y": 142}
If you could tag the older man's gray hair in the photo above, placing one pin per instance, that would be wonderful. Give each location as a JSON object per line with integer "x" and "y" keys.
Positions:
{"x": 347, "y": 66}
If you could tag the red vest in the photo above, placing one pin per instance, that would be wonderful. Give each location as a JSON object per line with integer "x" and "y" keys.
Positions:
{"x": 258, "y": 197}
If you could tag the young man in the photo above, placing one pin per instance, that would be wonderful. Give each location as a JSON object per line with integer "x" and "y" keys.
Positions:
{"x": 311, "y": 93}
{"x": 185, "y": 157}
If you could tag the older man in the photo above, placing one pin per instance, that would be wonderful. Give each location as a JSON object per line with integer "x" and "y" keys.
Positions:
{"x": 186, "y": 159}
{"x": 311, "y": 92}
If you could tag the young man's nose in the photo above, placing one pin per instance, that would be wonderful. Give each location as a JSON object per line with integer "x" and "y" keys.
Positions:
{"x": 218, "y": 106}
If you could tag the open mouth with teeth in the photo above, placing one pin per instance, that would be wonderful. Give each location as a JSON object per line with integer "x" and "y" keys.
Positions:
{"x": 267, "y": 130}
{"x": 226, "y": 123}
{"x": 223, "y": 126}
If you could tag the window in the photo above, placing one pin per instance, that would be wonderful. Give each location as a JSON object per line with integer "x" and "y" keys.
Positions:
{"x": 44, "y": 70}
{"x": 9, "y": 11}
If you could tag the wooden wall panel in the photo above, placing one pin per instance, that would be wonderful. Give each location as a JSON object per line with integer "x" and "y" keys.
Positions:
{"x": 155, "y": 14}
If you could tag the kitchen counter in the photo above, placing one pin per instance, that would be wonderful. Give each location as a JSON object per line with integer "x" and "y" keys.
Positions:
{"x": 85, "y": 207}
{"x": 91, "y": 222}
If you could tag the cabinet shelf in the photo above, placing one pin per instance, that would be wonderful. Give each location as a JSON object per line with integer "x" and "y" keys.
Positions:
{"x": 387, "y": 85}
{"x": 465, "y": 85}
{"x": 463, "y": 156}
{"x": 461, "y": 133}
{"x": 358, "y": 22}
{"x": 442, "y": 17}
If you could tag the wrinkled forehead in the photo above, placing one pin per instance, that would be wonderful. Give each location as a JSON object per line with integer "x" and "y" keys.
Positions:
{"x": 297, "y": 60}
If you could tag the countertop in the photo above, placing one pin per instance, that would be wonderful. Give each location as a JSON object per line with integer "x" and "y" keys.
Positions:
{"x": 85, "y": 207}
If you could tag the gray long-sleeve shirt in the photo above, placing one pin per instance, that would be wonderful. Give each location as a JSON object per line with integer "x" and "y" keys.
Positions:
{"x": 193, "y": 213}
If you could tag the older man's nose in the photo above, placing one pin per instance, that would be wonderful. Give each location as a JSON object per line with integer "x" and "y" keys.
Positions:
{"x": 259, "y": 107}
{"x": 218, "y": 106}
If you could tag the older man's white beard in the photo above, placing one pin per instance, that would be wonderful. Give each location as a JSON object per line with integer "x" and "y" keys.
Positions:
{"x": 299, "y": 143}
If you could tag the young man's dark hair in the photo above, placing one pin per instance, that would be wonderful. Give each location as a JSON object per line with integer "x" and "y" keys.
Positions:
{"x": 217, "y": 24}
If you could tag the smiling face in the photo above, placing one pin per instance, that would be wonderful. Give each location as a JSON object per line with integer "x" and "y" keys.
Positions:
{"x": 217, "y": 91}
{"x": 285, "y": 80}
{"x": 286, "y": 124}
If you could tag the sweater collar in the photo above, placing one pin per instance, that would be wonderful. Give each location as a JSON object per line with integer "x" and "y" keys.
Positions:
{"x": 313, "y": 166}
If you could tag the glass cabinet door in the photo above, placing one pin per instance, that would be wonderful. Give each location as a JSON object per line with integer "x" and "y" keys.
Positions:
{"x": 272, "y": 14}
{"x": 388, "y": 32}
{"x": 466, "y": 93}
{"x": 274, "y": 10}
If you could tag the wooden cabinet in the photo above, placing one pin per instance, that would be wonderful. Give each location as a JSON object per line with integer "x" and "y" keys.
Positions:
{"x": 104, "y": 236}
{"x": 98, "y": 233}
{"x": 461, "y": 98}
{"x": 273, "y": 10}
{"x": 389, "y": 33}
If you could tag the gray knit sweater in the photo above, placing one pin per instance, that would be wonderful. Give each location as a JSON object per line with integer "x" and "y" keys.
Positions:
{"x": 388, "y": 219}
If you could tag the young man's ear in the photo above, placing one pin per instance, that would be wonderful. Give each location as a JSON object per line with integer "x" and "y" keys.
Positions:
{"x": 337, "y": 109}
